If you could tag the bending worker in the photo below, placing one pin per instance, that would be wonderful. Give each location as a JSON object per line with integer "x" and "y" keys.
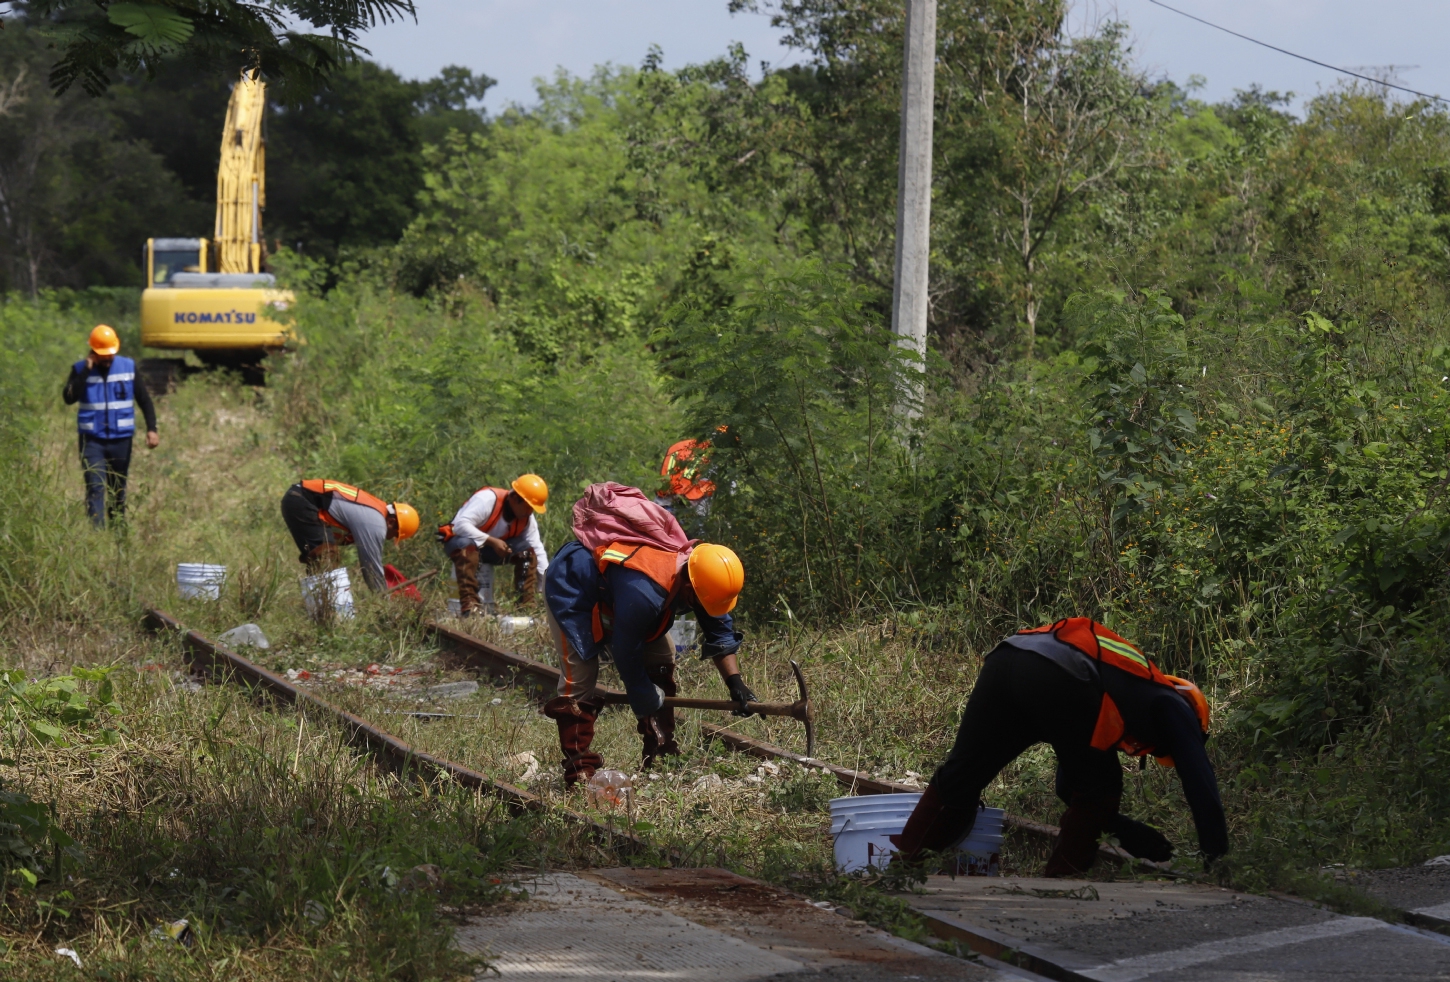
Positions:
{"x": 493, "y": 527}
{"x": 109, "y": 390}
{"x": 323, "y": 516}
{"x": 1090, "y": 694}
{"x": 620, "y": 585}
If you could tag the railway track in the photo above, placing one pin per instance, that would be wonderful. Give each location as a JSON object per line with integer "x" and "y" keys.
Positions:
{"x": 502, "y": 665}
{"x": 498, "y": 664}
{"x": 218, "y": 662}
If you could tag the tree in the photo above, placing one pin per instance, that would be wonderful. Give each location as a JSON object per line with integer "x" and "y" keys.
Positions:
{"x": 345, "y": 163}
{"x": 77, "y": 195}
{"x": 97, "y": 40}
{"x": 1073, "y": 115}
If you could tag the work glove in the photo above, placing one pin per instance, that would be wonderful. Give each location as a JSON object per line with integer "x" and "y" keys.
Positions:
{"x": 741, "y": 693}
{"x": 1138, "y": 839}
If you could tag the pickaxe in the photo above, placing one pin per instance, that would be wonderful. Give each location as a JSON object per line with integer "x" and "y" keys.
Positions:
{"x": 800, "y": 709}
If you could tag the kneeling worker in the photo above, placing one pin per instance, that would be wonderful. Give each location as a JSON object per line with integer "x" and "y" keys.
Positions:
{"x": 325, "y": 515}
{"x": 1089, "y": 693}
{"x": 493, "y": 527}
{"x": 620, "y": 585}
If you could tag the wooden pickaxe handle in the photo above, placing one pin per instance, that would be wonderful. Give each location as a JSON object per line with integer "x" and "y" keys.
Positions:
{"x": 795, "y": 710}
{"x": 798, "y": 710}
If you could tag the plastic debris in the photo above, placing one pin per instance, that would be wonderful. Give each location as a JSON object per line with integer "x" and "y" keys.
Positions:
{"x": 610, "y": 789}
{"x": 315, "y": 913}
{"x": 1438, "y": 861}
{"x": 177, "y": 931}
{"x": 513, "y": 625}
{"x": 495, "y": 702}
{"x": 451, "y": 690}
{"x": 526, "y": 762}
{"x": 71, "y": 954}
{"x": 708, "y": 782}
{"x": 245, "y": 635}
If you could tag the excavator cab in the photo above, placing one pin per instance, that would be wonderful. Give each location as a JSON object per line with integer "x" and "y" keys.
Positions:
{"x": 167, "y": 257}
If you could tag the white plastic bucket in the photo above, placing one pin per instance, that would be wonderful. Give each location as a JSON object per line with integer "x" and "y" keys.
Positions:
{"x": 200, "y": 581}
{"x": 862, "y": 827}
{"x": 333, "y": 587}
{"x": 455, "y": 608}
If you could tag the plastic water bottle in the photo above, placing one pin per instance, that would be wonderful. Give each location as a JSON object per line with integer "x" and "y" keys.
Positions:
{"x": 610, "y": 789}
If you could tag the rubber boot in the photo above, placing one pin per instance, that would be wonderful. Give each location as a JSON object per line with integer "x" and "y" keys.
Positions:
{"x": 526, "y": 575}
{"x": 658, "y": 730}
{"x": 323, "y": 558}
{"x": 1081, "y": 827}
{"x": 465, "y": 566}
{"x": 932, "y": 827}
{"x": 576, "y": 733}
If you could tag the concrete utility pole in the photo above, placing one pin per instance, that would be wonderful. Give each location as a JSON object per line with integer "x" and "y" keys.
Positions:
{"x": 913, "y": 183}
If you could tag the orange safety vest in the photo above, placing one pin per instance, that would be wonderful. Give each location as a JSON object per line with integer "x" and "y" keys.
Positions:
{"x": 515, "y": 528}
{"x": 1098, "y": 643}
{"x": 350, "y": 493}
{"x": 660, "y": 565}
{"x": 683, "y": 461}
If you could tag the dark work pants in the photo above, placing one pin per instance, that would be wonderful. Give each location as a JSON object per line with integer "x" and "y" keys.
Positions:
{"x": 1021, "y": 699}
{"x": 105, "y": 464}
{"x": 299, "y": 511}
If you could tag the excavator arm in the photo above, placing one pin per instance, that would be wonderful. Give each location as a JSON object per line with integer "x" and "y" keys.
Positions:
{"x": 241, "y": 183}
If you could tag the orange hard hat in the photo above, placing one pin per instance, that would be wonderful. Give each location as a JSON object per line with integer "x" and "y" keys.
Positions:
{"x": 407, "y": 517}
{"x": 717, "y": 576}
{"x": 1195, "y": 698}
{"x": 531, "y": 488}
{"x": 104, "y": 341}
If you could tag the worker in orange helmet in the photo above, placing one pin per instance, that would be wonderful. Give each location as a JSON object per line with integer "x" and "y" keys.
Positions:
{"x": 325, "y": 515}
{"x": 619, "y": 586}
{"x": 109, "y": 389}
{"x": 496, "y": 526}
{"x": 1090, "y": 694}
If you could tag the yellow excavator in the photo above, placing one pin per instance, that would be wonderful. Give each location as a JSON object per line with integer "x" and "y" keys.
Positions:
{"x": 211, "y": 296}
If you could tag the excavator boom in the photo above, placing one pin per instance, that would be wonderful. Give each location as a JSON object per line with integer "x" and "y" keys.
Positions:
{"x": 241, "y": 183}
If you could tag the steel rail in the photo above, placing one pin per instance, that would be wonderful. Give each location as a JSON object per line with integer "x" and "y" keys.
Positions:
{"x": 217, "y": 660}
{"x": 503, "y": 665}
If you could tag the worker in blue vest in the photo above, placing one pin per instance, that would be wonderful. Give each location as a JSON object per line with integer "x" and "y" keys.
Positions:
{"x": 109, "y": 390}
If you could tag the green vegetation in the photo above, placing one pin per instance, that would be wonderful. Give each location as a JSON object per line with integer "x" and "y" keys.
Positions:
{"x": 1200, "y": 395}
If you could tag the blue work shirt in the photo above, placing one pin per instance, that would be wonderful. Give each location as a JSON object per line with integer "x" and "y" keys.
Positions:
{"x": 572, "y": 587}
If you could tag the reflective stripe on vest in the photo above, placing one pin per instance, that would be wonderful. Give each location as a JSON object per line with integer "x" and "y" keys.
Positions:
{"x": 348, "y": 493}
{"x": 1102, "y": 645}
{"x": 661, "y": 565}
{"x": 107, "y": 408}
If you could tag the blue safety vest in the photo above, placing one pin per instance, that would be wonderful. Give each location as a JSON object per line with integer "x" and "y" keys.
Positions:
{"x": 108, "y": 407}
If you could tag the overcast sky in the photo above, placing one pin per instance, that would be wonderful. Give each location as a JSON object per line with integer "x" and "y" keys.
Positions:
{"x": 516, "y": 41}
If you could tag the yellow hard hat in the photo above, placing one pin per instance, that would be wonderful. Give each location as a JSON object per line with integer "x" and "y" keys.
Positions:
{"x": 531, "y": 488}
{"x": 717, "y": 576}
{"x": 104, "y": 341}
{"x": 407, "y": 517}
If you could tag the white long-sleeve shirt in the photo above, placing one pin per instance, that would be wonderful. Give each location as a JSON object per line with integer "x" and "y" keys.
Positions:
{"x": 475, "y": 511}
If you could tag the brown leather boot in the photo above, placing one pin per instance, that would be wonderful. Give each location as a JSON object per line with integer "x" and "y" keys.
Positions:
{"x": 658, "y": 730}
{"x": 932, "y": 827}
{"x": 526, "y": 575}
{"x": 1080, "y": 828}
{"x": 576, "y": 733}
{"x": 465, "y": 565}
